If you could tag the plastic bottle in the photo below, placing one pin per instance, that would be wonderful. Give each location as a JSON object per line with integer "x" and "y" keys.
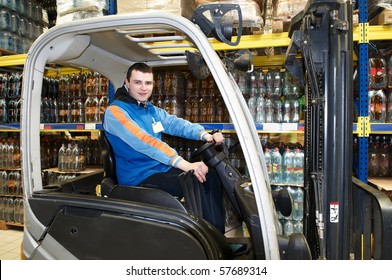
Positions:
{"x": 1, "y": 155}
{"x": 373, "y": 169}
{"x": 268, "y": 161}
{"x": 287, "y": 166}
{"x": 61, "y": 158}
{"x": 295, "y": 111}
{"x": 298, "y": 227}
{"x": 278, "y": 111}
{"x": 3, "y": 182}
{"x": 91, "y": 109}
{"x": 377, "y": 105}
{"x": 103, "y": 104}
{"x": 252, "y": 105}
{"x": 286, "y": 111}
{"x": 276, "y": 159}
{"x": 16, "y": 210}
{"x": 377, "y": 73}
{"x": 383, "y": 160}
{"x": 298, "y": 167}
{"x": 11, "y": 107}
{"x": 18, "y": 183}
{"x": 260, "y": 109}
{"x": 5, "y": 155}
{"x": 269, "y": 111}
{"x": 288, "y": 228}
{"x": 75, "y": 158}
{"x": 3, "y": 111}
{"x": 68, "y": 110}
{"x": 2, "y": 206}
{"x": 298, "y": 205}
{"x": 10, "y": 153}
{"x": 16, "y": 154}
{"x": 389, "y": 104}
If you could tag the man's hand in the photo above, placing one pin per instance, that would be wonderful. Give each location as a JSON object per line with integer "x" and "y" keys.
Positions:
{"x": 199, "y": 168}
{"x": 217, "y": 137}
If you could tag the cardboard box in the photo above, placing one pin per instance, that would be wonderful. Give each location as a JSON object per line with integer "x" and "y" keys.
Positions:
{"x": 383, "y": 18}
{"x": 172, "y": 6}
{"x": 383, "y": 184}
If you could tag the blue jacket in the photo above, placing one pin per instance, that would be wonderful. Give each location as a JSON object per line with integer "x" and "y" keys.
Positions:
{"x": 139, "y": 151}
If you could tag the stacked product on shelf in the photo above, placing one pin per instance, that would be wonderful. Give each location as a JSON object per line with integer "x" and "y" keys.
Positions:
{"x": 68, "y": 11}
{"x": 63, "y": 159}
{"x": 10, "y": 94}
{"x": 75, "y": 98}
{"x": 251, "y": 10}
{"x": 11, "y": 187}
{"x": 272, "y": 97}
{"x": 378, "y": 88}
{"x": 285, "y": 166}
{"x": 21, "y": 22}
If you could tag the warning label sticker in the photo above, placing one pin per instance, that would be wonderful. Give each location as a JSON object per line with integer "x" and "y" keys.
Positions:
{"x": 334, "y": 212}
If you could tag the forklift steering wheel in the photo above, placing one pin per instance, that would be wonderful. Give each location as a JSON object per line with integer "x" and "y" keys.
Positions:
{"x": 201, "y": 150}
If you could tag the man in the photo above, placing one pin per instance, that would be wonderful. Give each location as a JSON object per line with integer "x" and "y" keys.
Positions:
{"x": 134, "y": 128}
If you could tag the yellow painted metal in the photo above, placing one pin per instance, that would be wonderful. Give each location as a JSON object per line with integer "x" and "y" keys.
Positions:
{"x": 255, "y": 42}
{"x": 53, "y": 72}
{"x": 363, "y": 32}
{"x": 374, "y": 33}
{"x": 12, "y": 60}
{"x": 363, "y": 126}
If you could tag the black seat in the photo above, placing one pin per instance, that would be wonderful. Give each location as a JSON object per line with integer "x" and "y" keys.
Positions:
{"x": 109, "y": 164}
{"x": 111, "y": 189}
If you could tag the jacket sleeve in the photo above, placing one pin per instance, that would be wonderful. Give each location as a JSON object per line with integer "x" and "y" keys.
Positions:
{"x": 180, "y": 127}
{"x": 119, "y": 123}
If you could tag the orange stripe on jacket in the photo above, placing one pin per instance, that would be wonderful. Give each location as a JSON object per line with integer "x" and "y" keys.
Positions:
{"x": 135, "y": 130}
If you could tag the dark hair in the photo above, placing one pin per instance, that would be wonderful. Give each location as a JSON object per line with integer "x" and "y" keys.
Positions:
{"x": 139, "y": 66}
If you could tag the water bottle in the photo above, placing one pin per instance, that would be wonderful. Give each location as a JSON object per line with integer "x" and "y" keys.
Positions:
{"x": 298, "y": 205}
{"x": 269, "y": 111}
{"x": 295, "y": 111}
{"x": 68, "y": 156}
{"x": 276, "y": 159}
{"x": 298, "y": 167}
{"x": 75, "y": 158}
{"x": 3, "y": 111}
{"x": 252, "y": 105}
{"x": 278, "y": 111}
{"x": 288, "y": 166}
{"x": 286, "y": 111}
{"x": 298, "y": 227}
{"x": 268, "y": 161}
{"x": 61, "y": 158}
{"x": 288, "y": 228}
{"x": 260, "y": 109}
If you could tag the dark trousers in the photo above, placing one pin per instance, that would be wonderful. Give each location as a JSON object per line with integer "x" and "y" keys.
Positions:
{"x": 212, "y": 204}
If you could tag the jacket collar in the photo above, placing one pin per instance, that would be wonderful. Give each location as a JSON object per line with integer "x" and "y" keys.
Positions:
{"x": 123, "y": 95}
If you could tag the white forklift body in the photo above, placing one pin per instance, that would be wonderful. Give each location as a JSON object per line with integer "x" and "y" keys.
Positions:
{"x": 109, "y": 45}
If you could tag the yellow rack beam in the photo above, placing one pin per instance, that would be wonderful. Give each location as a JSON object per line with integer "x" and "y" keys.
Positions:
{"x": 12, "y": 60}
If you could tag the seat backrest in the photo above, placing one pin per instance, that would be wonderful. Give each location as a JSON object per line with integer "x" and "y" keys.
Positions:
{"x": 108, "y": 159}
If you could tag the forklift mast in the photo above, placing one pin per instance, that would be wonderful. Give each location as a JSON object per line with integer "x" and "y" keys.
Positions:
{"x": 322, "y": 33}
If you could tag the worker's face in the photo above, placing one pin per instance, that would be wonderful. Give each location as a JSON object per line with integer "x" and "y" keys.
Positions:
{"x": 140, "y": 85}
